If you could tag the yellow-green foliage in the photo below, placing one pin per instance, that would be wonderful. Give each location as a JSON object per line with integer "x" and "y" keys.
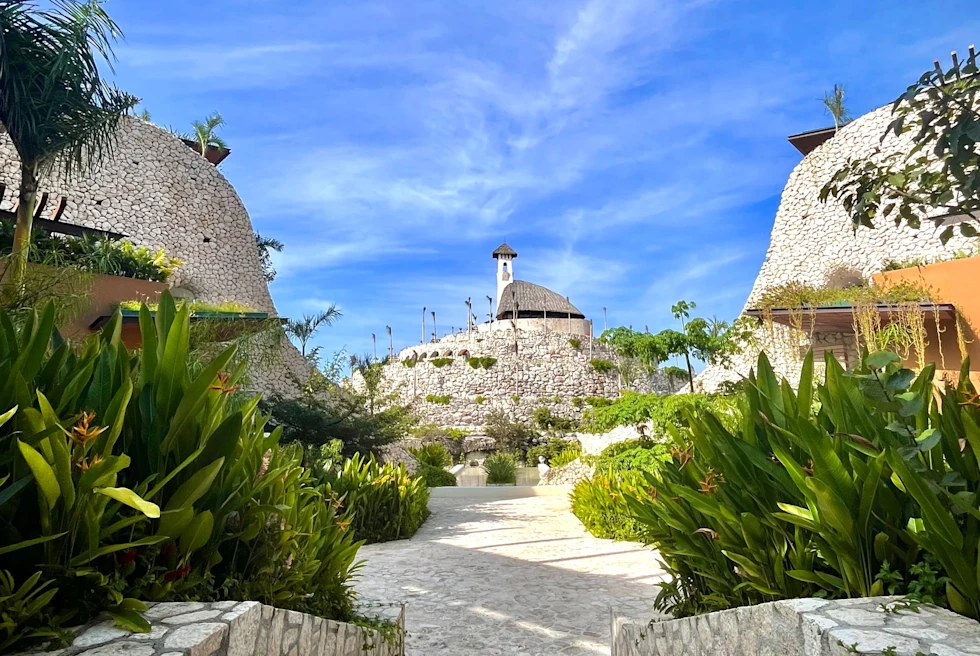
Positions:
{"x": 501, "y": 469}
{"x": 801, "y": 295}
{"x": 575, "y": 343}
{"x": 438, "y": 400}
{"x": 602, "y": 366}
{"x": 484, "y": 362}
{"x": 634, "y": 408}
{"x": 194, "y": 306}
{"x": 383, "y": 501}
{"x": 441, "y": 362}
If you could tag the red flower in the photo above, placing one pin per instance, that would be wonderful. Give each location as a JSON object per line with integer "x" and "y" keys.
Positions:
{"x": 178, "y": 573}
{"x": 127, "y": 557}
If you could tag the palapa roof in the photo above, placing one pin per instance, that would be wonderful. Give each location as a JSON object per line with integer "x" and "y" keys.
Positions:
{"x": 504, "y": 249}
{"x": 533, "y": 300}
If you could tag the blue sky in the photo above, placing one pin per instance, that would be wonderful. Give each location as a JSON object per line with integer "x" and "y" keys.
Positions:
{"x": 631, "y": 151}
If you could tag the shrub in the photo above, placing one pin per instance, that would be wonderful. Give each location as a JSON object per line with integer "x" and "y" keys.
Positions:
{"x": 501, "y": 469}
{"x": 484, "y": 362}
{"x": 836, "y": 491}
{"x": 575, "y": 343}
{"x": 510, "y": 435}
{"x": 441, "y": 362}
{"x": 438, "y": 400}
{"x": 102, "y": 256}
{"x": 635, "y": 409}
{"x": 515, "y": 398}
{"x": 602, "y": 366}
{"x": 599, "y": 503}
{"x": 551, "y": 449}
{"x": 436, "y": 476}
{"x": 100, "y": 443}
{"x": 643, "y": 455}
{"x": 432, "y": 455}
{"x": 578, "y": 402}
{"x": 546, "y": 420}
{"x": 383, "y": 502}
{"x": 565, "y": 457}
{"x": 409, "y": 362}
{"x": 480, "y": 400}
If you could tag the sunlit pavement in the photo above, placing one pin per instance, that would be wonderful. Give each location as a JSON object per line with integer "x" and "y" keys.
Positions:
{"x": 509, "y": 576}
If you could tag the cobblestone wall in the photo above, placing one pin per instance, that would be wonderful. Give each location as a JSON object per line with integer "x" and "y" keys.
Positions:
{"x": 231, "y": 628}
{"x": 532, "y": 369}
{"x": 161, "y": 194}
{"x": 814, "y": 242}
{"x": 804, "y": 627}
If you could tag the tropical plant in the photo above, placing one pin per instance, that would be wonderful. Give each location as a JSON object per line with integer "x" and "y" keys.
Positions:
{"x": 303, "y": 330}
{"x": 204, "y": 134}
{"x": 544, "y": 419}
{"x": 501, "y": 469}
{"x": 383, "y": 502}
{"x": 815, "y": 491}
{"x": 659, "y": 412}
{"x": 432, "y": 455}
{"x": 436, "y": 476}
{"x": 833, "y": 102}
{"x": 551, "y": 449}
{"x": 95, "y": 445}
{"x": 935, "y": 179}
{"x": 565, "y": 458}
{"x": 439, "y": 399}
{"x": 602, "y": 365}
{"x": 600, "y": 504}
{"x": 54, "y": 104}
{"x": 265, "y": 247}
{"x": 92, "y": 255}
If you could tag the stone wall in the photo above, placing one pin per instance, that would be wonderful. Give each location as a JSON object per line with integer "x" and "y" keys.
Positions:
{"x": 231, "y": 628}
{"x": 532, "y": 369}
{"x": 161, "y": 194}
{"x": 804, "y": 627}
{"x": 814, "y": 242}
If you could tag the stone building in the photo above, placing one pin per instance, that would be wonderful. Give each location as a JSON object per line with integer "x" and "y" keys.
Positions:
{"x": 814, "y": 243}
{"x": 537, "y": 352}
{"x": 155, "y": 191}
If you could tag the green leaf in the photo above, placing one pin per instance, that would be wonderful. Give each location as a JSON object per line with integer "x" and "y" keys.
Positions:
{"x": 5, "y": 417}
{"x": 928, "y": 439}
{"x": 197, "y": 533}
{"x": 43, "y": 473}
{"x": 89, "y": 556}
{"x": 881, "y": 359}
{"x": 30, "y": 543}
{"x": 130, "y": 620}
{"x": 127, "y": 497}
{"x": 196, "y": 486}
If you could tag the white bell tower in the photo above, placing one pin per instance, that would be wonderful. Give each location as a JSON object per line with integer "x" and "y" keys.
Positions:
{"x": 505, "y": 268}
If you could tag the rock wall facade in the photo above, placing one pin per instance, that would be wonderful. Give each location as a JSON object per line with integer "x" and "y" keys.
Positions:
{"x": 159, "y": 193}
{"x": 532, "y": 369}
{"x": 803, "y": 627}
{"x": 815, "y": 243}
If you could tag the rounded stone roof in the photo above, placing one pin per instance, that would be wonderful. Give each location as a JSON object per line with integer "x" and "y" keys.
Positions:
{"x": 533, "y": 300}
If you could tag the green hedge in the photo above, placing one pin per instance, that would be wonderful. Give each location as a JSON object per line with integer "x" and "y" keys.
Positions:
{"x": 436, "y": 476}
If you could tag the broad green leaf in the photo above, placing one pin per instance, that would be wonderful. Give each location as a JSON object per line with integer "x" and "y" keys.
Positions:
{"x": 127, "y": 497}
{"x": 196, "y": 486}
{"x": 5, "y": 417}
{"x": 43, "y": 473}
{"x": 129, "y": 620}
{"x": 197, "y": 533}
{"x": 30, "y": 543}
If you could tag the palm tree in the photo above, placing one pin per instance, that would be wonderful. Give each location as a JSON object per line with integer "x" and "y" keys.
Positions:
{"x": 266, "y": 245}
{"x": 204, "y": 133}
{"x": 304, "y": 329}
{"x": 55, "y": 106}
{"x": 834, "y": 102}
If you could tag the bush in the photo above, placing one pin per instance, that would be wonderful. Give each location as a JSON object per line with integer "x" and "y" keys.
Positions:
{"x": 565, "y": 458}
{"x": 409, "y": 363}
{"x": 602, "y": 366}
{"x": 600, "y": 504}
{"x": 575, "y": 343}
{"x": 551, "y": 449}
{"x": 480, "y": 400}
{"x": 636, "y": 409}
{"x": 101, "y": 256}
{"x": 546, "y": 420}
{"x": 484, "y": 362}
{"x": 134, "y": 476}
{"x": 344, "y": 416}
{"x": 436, "y": 476}
{"x": 501, "y": 469}
{"x": 441, "y": 362}
{"x": 837, "y": 491}
{"x": 383, "y": 502}
{"x": 432, "y": 455}
{"x": 510, "y": 435}
{"x": 438, "y": 400}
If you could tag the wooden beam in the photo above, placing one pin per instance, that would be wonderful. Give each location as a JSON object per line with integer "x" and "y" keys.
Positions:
{"x": 40, "y": 205}
{"x": 59, "y": 209}
{"x": 60, "y": 227}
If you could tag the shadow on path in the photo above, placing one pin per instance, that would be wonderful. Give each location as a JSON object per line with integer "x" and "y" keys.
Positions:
{"x": 516, "y": 576}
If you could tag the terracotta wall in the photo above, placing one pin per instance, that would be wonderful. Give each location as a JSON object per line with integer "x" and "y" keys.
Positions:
{"x": 956, "y": 282}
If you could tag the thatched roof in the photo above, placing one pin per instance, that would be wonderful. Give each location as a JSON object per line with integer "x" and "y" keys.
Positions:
{"x": 504, "y": 249}
{"x": 533, "y": 301}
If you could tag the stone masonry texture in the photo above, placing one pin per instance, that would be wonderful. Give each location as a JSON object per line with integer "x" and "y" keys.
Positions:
{"x": 231, "y": 628}
{"x": 804, "y": 627}
{"x": 814, "y": 242}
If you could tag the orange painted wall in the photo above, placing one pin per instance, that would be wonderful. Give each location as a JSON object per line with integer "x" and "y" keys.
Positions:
{"x": 956, "y": 282}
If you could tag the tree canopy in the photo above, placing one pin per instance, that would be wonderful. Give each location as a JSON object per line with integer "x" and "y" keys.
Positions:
{"x": 937, "y": 179}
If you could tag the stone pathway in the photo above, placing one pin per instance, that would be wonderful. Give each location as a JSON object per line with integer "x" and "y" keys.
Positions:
{"x": 509, "y": 576}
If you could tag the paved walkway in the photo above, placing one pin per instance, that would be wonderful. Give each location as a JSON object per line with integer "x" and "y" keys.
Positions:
{"x": 509, "y": 576}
